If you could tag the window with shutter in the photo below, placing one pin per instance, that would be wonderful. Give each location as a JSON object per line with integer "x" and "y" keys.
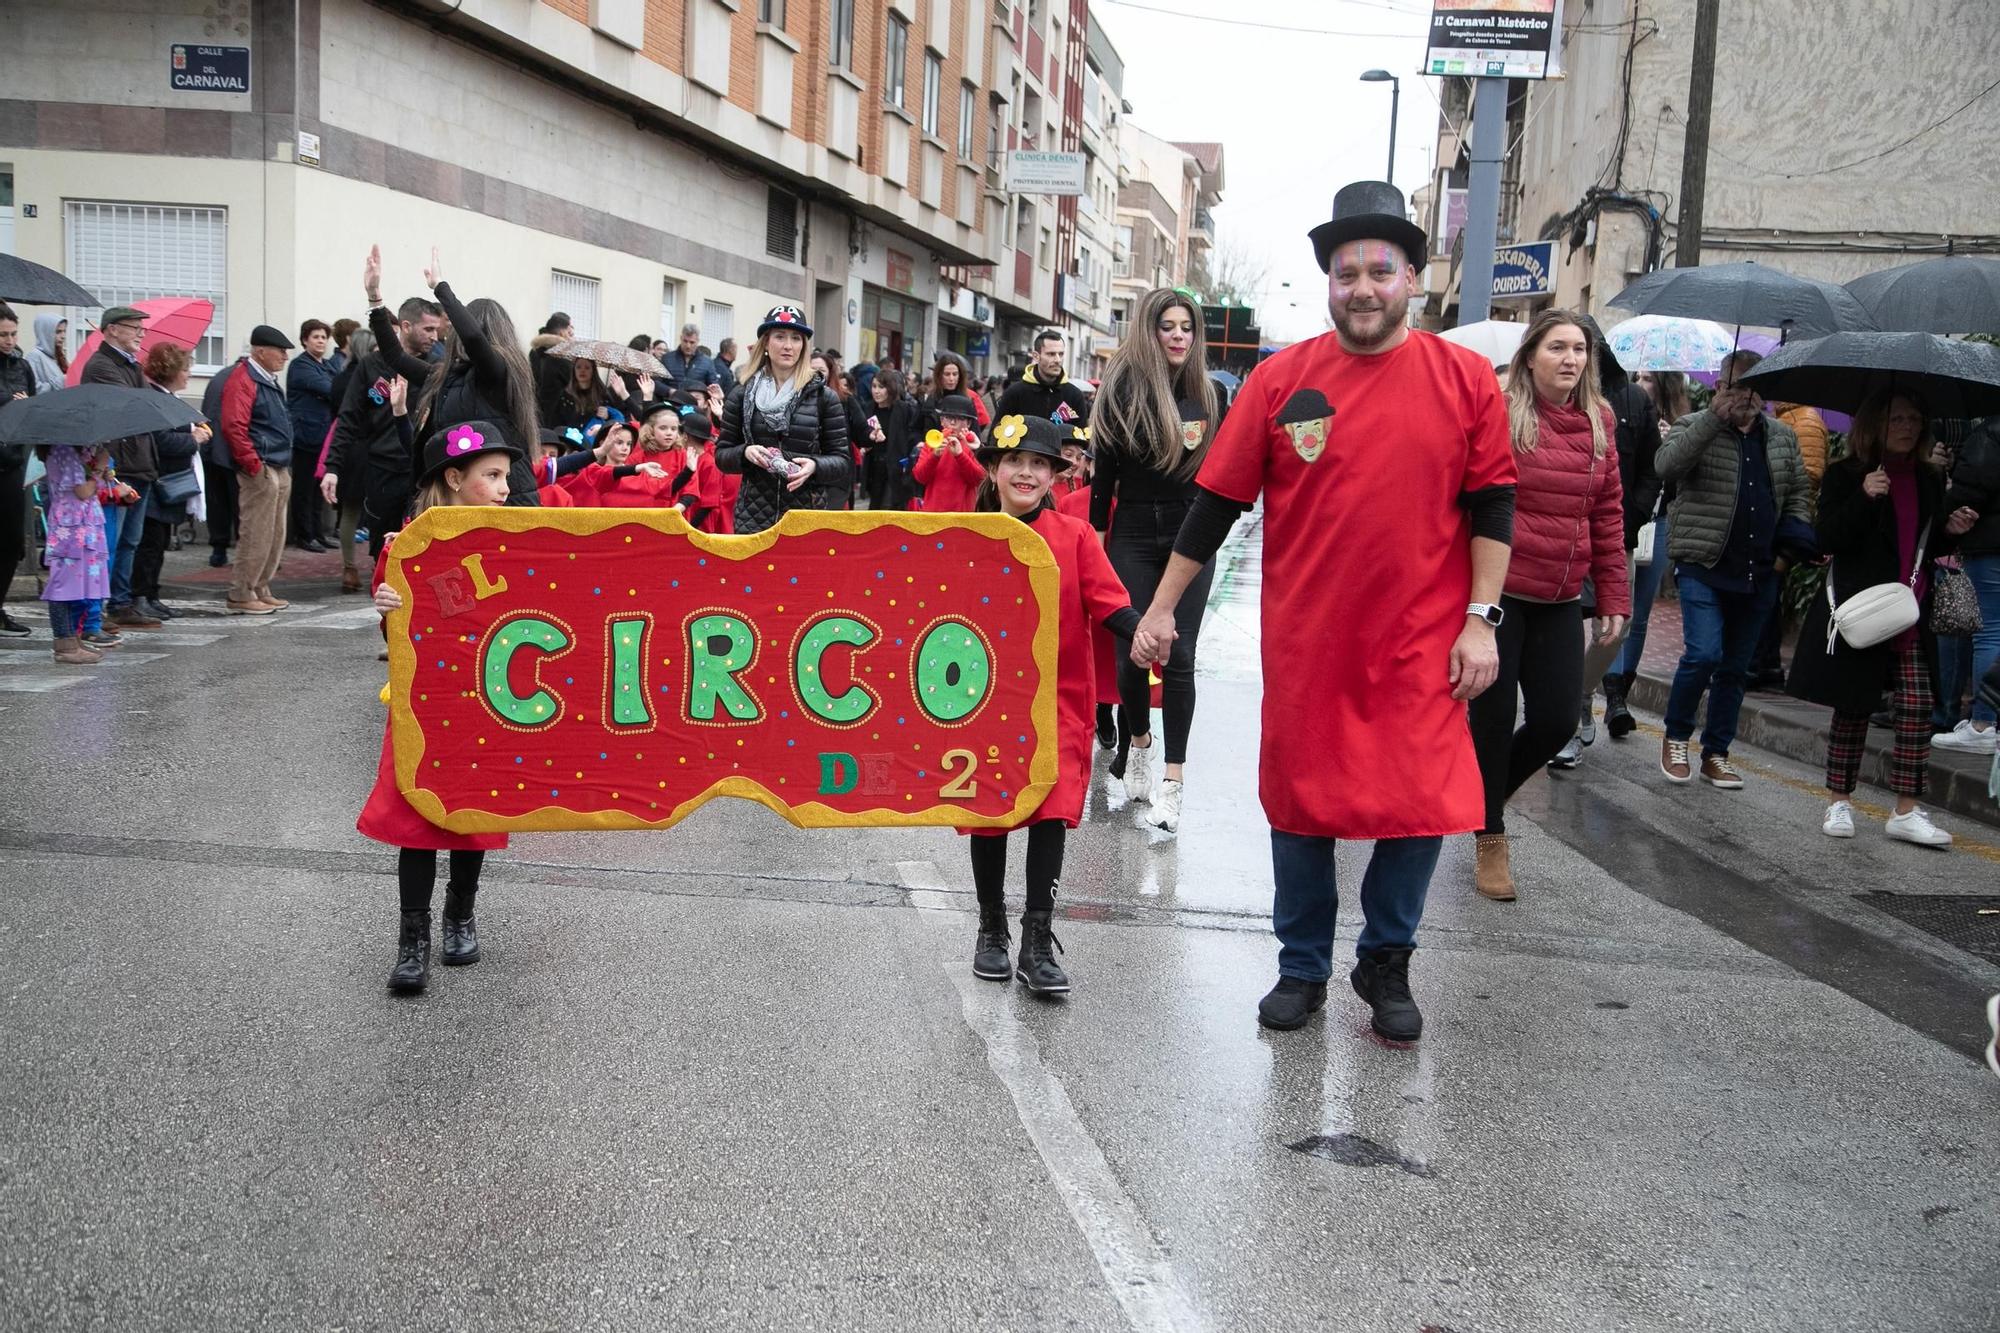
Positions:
{"x": 138, "y": 252}
{"x": 577, "y": 297}
{"x": 718, "y": 321}
{"x": 781, "y": 224}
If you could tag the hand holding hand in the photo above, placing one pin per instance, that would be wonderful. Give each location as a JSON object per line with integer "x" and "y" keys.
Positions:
{"x": 1961, "y": 520}
{"x": 371, "y": 275}
{"x": 653, "y": 470}
{"x": 387, "y": 599}
{"x": 1876, "y": 484}
{"x": 1475, "y": 660}
{"x": 1156, "y": 631}
{"x": 802, "y": 471}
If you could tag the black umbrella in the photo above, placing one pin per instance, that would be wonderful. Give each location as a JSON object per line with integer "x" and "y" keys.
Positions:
{"x": 1842, "y": 370}
{"x": 1955, "y": 294}
{"x": 92, "y": 414}
{"x": 1746, "y": 293}
{"x": 36, "y": 284}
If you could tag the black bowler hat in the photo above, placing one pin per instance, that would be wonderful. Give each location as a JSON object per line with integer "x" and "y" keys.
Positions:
{"x": 455, "y": 446}
{"x": 957, "y": 405}
{"x": 1027, "y": 435}
{"x": 1369, "y": 211}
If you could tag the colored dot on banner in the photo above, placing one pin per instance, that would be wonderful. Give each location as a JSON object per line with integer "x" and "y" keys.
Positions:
{"x": 831, "y": 551}
{"x": 940, "y": 546}
{"x": 902, "y": 721}
{"x": 572, "y": 555}
{"x": 795, "y": 578}
{"x": 902, "y": 548}
{"x": 909, "y": 578}
{"x": 597, "y": 592}
{"x": 747, "y": 588}
{"x": 784, "y": 714}
{"x": 602, "y": 755}
{"x": 628, "y": 538}
{"x": 920, "y": 773}
{"x": 1003, "y": 633}
{"x": 518, "y": 759}
{"x": 531, "y": 573}
{"x": 676, "y": 583}
{"x": 703, "y": 561}
{"x": 416, "y": 638}
{"x": 631, "y": 592}
{"x": 790, "y": 744}
{"x": 569, "y": 680}
{"x": 552, "y": 791}
{"x": 440, "y": 663}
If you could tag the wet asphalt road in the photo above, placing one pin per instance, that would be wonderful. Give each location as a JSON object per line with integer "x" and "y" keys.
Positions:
{"x": 740, "y": 1075}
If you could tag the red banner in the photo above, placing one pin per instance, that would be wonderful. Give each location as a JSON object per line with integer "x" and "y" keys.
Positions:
{"x": 614, "y": 669}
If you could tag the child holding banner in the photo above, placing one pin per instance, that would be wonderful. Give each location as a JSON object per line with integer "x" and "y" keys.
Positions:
{"x": 1022, "y": 461}
{"x": 466, "y": 464}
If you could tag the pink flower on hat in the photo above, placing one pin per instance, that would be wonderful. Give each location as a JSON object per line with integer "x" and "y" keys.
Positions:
{"x": 463, "y": 440}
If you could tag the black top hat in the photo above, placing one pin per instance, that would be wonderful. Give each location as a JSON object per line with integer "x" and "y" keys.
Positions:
{"x": 957, "y": 405}
{"x": 456, "y": 446}
{"x": 1369, "y": 211}
{"x": 1027, "y": 435}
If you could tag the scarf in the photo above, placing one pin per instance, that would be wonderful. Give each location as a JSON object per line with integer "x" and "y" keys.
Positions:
{"x": 771, "y": 403}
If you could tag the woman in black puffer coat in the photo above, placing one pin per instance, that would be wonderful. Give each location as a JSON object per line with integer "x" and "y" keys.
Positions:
{"x": 783, "y": 416}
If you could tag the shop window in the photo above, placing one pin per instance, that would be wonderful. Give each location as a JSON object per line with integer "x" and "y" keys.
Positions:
{"x": 136, "y": 252}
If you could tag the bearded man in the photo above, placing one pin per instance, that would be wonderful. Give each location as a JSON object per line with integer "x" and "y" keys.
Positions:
{"x": 1388, "y": 479}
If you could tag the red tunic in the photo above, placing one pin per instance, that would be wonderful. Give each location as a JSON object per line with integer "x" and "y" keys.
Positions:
{"x": 950, "y": 481}
{"x": 1367, "y": 572}
{"x": 1090, "y": 591}
{"x": 1077, "y": 505}
{"x": 389, "y": 817}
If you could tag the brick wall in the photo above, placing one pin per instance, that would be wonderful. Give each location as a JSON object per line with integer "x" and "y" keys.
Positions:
{"x": 576, "y": 9}
{"x": 666, "y": 33}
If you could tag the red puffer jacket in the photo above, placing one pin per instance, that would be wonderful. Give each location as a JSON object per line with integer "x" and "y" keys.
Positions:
{"x": 1569, "y": 516}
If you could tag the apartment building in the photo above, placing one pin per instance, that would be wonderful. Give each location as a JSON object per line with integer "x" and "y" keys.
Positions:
{"x": 1166, "y": 225}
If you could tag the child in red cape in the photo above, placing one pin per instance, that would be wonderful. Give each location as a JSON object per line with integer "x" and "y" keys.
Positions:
{"x": 1022, "y": 461}
{"x": 705, "y": 493}
{"x": 1075, "y": 501}
{"x": 948, "y": 467}
{"x": 464, "y": 465}
{"x": 616, "y": 477}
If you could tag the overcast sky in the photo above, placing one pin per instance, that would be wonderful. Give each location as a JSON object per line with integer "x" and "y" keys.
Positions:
{"x": 1294, "y": 119}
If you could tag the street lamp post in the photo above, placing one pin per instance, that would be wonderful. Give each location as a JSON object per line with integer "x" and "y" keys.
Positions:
{"x": 1395, "y": 110}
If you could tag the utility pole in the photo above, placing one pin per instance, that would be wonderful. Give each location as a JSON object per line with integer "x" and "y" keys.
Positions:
{"x": 1694, "y": 154}
{"x": 1482, "y": 199}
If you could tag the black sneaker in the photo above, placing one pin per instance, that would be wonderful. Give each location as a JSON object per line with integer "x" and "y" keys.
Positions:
{"x": 1107, "y": 728}
{"x": 13, "y": 628}
{"x": 1382, "y": 978}
{"x": 1290, "y": 1003}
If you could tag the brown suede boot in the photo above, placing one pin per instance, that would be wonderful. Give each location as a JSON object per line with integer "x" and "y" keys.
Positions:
{"x": 71, "y": 652}
{"x": 1491, "y": 876}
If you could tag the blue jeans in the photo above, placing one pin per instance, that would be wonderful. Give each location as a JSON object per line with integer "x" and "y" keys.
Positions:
{"x": 1645, "y": 586}
{"x": 1984, "y": 571}
{"x": 1954, "y": 664}
{"x": 1302, "y": 914}
{"x": 1721, "y": 631}
{"x": 130, "y": 528}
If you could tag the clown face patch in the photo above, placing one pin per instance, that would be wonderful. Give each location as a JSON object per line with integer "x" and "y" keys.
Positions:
{"x": 1192, "y": 434}
{"x": 1306, "y": 417}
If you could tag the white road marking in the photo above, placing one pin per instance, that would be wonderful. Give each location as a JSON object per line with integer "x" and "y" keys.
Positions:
{"x": 39, "y": 684}
{"x": 359, "y": 617}
{"x": 1137, "y": 1270}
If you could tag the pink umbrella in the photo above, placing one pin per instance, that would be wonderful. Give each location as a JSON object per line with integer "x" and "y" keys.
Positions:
{"x": 180, "y": 320}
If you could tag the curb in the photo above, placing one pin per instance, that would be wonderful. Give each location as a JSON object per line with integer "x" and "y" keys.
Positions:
{"x": 1797, "y": 730}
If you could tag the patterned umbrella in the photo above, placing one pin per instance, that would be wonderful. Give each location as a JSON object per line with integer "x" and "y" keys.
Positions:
{"x": 1669, "y": 342}
{"x": 616, "y": 355}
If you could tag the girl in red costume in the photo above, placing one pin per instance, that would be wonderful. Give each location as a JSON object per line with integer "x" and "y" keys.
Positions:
{"x": 466, "y": 464}
{"x": 1022, "y": 462}
{"x": 948, "y": 466}
{"x": 1075, "y": 501}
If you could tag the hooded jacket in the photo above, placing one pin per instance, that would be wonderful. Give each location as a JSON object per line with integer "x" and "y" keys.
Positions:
{"x": 42, "y": 356}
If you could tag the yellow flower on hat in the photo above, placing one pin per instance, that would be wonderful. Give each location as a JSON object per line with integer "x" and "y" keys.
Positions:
{"x": 1008, "y": 432}
{"x": 1082, "y": 433}
{"x": 935, "y": 439}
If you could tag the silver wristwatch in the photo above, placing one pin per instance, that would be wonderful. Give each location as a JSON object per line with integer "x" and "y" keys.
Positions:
{"x": 1487, "y": 612}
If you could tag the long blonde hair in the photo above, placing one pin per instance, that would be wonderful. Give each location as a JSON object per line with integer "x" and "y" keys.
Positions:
{"x": 760, "y": 359}
{"x": 1523, "y": 415}
{"x": 1137, "y": 409}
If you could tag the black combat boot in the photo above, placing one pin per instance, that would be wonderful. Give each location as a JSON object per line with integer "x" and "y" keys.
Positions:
{"x": 1618, "y": 719}
{"x": 1290, "y": 1003}
{"x": 413, "y": 955}
{"x": 989, "y": 951}
{"x": 1038, "y": 969}
{"x": 461, "y": 933}
{"x": 1382, "y": 978}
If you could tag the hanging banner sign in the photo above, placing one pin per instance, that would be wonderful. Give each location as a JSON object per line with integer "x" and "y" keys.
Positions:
{"x": 615, "y": 669}
{"x": 1524, "y": 270}
{"x": 1495, "y": 39}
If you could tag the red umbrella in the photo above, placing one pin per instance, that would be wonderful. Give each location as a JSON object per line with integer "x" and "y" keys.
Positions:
{"x": 180, "y": 320}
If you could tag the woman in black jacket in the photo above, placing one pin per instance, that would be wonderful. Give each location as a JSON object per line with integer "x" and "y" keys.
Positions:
{"x": 896, "y": 425}
{"x": 783, "y": 430}
{"x": 484, "y": 375}
{"x": 178, "y": 451}
{"x": 1882, "y": 518}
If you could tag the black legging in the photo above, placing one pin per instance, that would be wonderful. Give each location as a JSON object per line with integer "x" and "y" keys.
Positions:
{"x": 1045, "y": 858}
{"x": 1541, "y": 659}
{"x": 416, "y": 876}
{"x": 1142, "y": 541}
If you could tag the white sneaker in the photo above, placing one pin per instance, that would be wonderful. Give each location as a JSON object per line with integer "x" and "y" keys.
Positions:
{"x": 1586, "y": 725}
{"x": 1166, "y": 810}
{"x": 1138, "y": 774}
{"x": 1570, "y": 755}
{"x": 1839, "y": 821}
{"x": 1967, "y": 738}
{"x": 1916, "y": 827}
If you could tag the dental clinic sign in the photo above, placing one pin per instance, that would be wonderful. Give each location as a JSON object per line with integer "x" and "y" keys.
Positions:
{"x": 1495, "y": 39}
{"x": 208, "y": 69}
{"x": 1523, "y": 271}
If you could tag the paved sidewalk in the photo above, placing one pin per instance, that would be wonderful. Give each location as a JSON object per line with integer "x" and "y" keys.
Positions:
{"x": 1777, "y": 722}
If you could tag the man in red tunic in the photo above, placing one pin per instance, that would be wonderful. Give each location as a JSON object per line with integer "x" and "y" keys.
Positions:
{"x": 1388, "y": 476}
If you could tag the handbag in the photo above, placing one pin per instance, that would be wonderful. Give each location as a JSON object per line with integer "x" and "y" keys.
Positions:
{"x": 1878, "y": 612}
{"x": 1642, "y": 550}
{"x": 177, "y": 488}
{"x": 1954, "y": 603}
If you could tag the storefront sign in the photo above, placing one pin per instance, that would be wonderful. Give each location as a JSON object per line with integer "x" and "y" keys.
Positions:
{"x": 1495, "y": 39}
{"x": 614, "y": 669}
{"x": 208, "y": 69}
{"x": 902, "y": 270}
{"x": 1524, "y": 270}
{"x": 1031, "y": 172}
